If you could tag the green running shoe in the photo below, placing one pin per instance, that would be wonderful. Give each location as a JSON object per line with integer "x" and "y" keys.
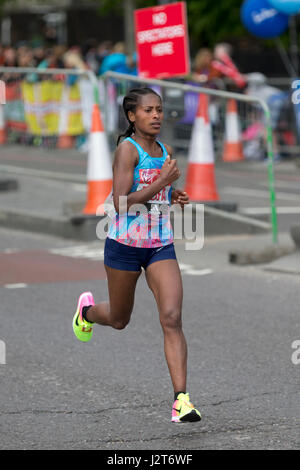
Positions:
{"x": 183, "y": 410}
{"x": 83, "y": 329}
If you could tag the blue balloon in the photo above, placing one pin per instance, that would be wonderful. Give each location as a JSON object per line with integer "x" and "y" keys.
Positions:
{"x": 289, "y": 7}
{"x": 262, "y": 20}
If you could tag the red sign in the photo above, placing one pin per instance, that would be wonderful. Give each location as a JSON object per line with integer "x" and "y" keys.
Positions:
{"x": 162, "y": 41}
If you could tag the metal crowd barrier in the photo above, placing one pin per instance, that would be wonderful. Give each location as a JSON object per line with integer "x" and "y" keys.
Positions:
{"x": 38, "y": 102}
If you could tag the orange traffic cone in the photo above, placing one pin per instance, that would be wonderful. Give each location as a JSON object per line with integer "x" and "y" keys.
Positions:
{"x": 233, "y": 148}
{"x": 65, "y": 141}
{"x": 200, "y": 179}
{"x": 2, "y": 126}
{"x": 99, "y": 170}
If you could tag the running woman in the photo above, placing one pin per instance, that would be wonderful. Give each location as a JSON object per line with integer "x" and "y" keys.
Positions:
{"x": 143, "y": 172}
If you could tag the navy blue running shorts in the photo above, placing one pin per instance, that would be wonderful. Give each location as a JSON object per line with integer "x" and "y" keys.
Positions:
{"x": 130, "y": 258}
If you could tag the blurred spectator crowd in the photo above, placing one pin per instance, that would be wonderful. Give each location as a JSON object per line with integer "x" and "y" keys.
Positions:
{"x": 96, "y": 57}
{"x": 207, "y": 66}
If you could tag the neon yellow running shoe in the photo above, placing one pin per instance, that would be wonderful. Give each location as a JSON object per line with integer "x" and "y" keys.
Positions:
{"x": 183, "y": 410}
{"x": 83, "y": 329}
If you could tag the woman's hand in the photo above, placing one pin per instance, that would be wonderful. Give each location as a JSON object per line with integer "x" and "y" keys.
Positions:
{"x": 169, "y": 171}
{"x": 179, "y": 197}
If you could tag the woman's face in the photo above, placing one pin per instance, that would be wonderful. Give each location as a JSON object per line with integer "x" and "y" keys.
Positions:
{"x": 148, "y": 115}
{"x": 10, "y": 55}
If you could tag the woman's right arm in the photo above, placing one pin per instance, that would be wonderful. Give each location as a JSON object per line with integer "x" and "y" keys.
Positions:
{"x": 123, "y": 169}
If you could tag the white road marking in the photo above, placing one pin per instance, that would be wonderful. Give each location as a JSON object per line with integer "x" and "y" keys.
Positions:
{"x": 198, "y": 272}
{"x": 20, "y": 285}
{"x": 260, "y": 193}
{"x": 284, "y": 184}
{"x": 185, "y": 266}
{"x": 189, "y": 269}
{"x": 79, "y": 187}
{"x": 43, "y": 174}
{"x": 80, "y": 251}
{"x": 267, "y": 210}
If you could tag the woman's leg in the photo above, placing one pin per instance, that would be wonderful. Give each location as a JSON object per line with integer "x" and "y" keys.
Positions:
{"x": 164, "y": 279}
{"x": 121, "y": 288}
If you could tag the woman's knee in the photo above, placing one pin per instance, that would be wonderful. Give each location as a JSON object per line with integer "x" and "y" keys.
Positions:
{"x": 170, "y": 318}
{"x": 120, "y": 323}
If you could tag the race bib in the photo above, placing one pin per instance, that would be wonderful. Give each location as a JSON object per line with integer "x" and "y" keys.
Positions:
{"x": 148, "y": 176}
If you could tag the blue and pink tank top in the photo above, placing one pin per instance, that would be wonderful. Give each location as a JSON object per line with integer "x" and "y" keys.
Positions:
{"x": 150, "y": 227}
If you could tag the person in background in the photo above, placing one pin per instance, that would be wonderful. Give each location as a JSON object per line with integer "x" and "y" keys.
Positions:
{"x": 1, "y": 55}
{"x": 10, "y": 57}
{"x": 21, "y": 50}
{"x": 73, "y": 60}
{"x": 224, "y": 65}
{"x": 39, "y": 52}
{"x": 117, "y": 61}
{"x": 25, "y": 59}
{"x": 9, "y": 60}
{"x": 276, "y": 99}
{"x": 203, "y": 72}
{"x": 53, "y": 58}
{"x": 103, "y": 50}
{"x": 89, "y": 54}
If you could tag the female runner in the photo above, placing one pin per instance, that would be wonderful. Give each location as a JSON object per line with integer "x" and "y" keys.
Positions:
{"x": 143, "y": 172}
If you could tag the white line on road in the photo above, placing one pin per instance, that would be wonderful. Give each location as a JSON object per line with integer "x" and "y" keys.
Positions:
{"x": 189, "y": 269}
{"x": 284, "y": 184}
{"x": 20, "y": 285}
{"x": 267, "y": 210}
{"x": 10, "y": 251}
{"x": 259, "y": 193}
{"x": 198, "y": 272}
{"x": 185, "y": 266}
{"x": 43, "y": 173}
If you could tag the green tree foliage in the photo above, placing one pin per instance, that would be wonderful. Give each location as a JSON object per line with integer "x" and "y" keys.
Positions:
{"x": 117, "y": 5}
{"x": 208, "y": 21}
{"x": 2, "y": 2}
{"x": 211, "y": 22}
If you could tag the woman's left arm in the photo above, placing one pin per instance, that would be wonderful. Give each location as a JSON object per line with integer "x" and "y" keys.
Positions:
{"x": 178, "y": 196}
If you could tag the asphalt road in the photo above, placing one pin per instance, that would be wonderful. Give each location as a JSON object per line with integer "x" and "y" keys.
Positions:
{"x": 115, "y": 392}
